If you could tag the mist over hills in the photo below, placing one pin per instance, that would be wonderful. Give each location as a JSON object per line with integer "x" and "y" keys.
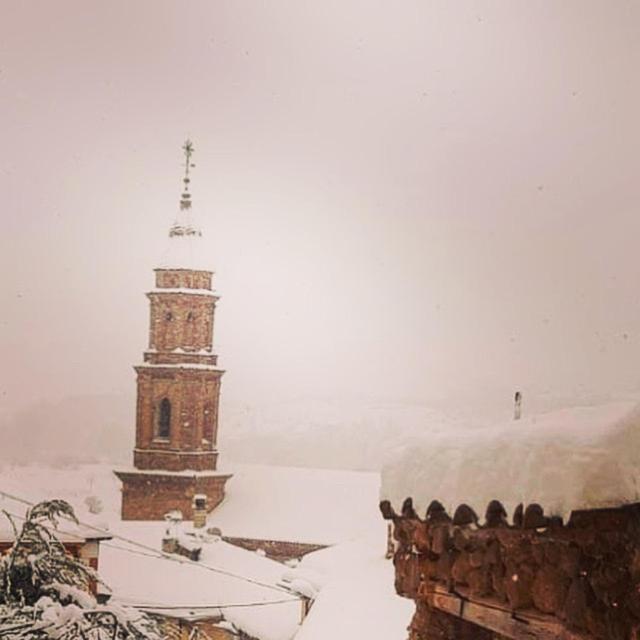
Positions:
{"x": 340, "y": 434}
{"x": 298, "y": 433}
{"x": 74, "y": 429}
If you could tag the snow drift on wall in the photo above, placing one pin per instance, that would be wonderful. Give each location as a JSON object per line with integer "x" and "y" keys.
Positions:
{"x": 576, "y": 458}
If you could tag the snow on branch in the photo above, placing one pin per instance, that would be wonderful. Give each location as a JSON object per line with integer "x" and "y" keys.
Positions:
{"x": 46, "y": 593}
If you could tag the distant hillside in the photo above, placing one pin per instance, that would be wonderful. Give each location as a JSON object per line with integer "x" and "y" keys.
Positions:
{"x": 325, "y": 434}
{"x": 312, "y": 433}
{"x": 76, "y": 429}
{"x": 317, "y": 434}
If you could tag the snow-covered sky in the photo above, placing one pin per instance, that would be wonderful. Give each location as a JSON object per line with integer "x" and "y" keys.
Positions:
{"x": 407, "y": 201}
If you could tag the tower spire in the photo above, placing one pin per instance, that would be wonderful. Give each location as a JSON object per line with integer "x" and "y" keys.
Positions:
{"x": 185, "y": 200}
{"x": 184, "y": 225}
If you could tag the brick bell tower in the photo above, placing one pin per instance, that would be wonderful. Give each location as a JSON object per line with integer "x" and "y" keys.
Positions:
{"x": 178, "y": 385}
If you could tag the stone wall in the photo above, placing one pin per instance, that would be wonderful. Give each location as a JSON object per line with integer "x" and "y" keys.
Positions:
{"x": 580, "y": 579}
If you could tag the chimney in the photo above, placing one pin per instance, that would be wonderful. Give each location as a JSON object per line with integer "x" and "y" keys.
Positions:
{"x": 177, "y": 541}
{"x": 517, "y": 406}
{"x": 170, "y": 539}
{"x": 199, "y": 510}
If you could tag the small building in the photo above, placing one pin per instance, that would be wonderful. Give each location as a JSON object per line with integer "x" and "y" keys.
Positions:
{"x": 80, "y": 542}
{"x": 527, "y": 529}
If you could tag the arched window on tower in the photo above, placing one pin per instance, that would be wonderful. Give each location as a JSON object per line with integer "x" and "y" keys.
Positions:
{"x": 163, "y": 423}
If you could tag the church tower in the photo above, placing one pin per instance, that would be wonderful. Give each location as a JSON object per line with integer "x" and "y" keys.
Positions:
{"x": 178, "y": 385}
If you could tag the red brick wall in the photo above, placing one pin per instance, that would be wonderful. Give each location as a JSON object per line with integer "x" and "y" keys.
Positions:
{"x": 181, "y": 325}
{"x": 182, "y": 278}
{"x": 181, "y": 320}
{"x": 173, "y": 460}
{"x": 194, "y": 397}
{"x": 280, "y": 550}
{"x": 150, "y": 496}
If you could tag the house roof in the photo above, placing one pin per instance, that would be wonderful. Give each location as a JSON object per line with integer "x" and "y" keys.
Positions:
{"x": 304, "y": 505}
{"x": 294, "y": 504}
{"x": 571, "y": 459}
{"x": 356, "y": 596}
{"x": 316, "y": 506}
{"x": 240, "y": 585}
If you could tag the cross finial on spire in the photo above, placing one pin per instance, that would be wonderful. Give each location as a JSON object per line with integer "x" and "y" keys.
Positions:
{"x": 185, "y": 200}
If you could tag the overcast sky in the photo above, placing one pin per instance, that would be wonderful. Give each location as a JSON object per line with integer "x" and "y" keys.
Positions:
{"x": 400, "y": 199}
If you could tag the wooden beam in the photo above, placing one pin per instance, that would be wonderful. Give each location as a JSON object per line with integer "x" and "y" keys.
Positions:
{"x": 495, "y": 617}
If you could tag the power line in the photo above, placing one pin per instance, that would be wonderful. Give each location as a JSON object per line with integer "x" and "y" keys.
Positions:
{"x": 205, "y": 607}
{"x": 162, "y": 607}
{"x": 158, "y": 607}
{"x": 161, "y": 555}
{"x": 158, "y": 554}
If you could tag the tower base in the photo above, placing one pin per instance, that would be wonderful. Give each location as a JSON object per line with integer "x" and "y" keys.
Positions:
{"x": 149, "y": 495}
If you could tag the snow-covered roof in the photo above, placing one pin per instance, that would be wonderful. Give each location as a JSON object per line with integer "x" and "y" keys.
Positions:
{"x": 185, "y": 473}
{"x": 195, "y": 352}
{"x": 185, "y": 290}
{"x": 195, "y": 589}
{"x": 320, "y": 506}
{"x": 138, "y": 576}
{"x": 356, "y": 596}
{"x": 295, "y": 504}
{"x": 574, "y": 458}
{"x": 180, "y": 365}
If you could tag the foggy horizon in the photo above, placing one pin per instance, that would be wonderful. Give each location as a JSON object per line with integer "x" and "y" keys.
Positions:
{"x": 435, "y": 206}
{"x": 376, "y": 375}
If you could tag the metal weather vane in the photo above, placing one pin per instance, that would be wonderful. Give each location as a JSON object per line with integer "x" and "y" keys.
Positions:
{"x": 184, "y": 226}
{"x": 185, "y": 200}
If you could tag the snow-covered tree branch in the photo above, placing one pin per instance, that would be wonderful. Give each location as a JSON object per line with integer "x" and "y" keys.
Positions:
{"x": 45, "y": 592}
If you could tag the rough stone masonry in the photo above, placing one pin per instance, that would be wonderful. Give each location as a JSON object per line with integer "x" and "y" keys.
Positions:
{"x": 534, "y": 577}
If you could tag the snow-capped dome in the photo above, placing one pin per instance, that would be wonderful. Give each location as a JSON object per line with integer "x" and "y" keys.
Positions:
{"x": 184, "y": 248}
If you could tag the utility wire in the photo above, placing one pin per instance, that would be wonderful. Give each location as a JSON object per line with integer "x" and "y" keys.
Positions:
{"x": 201, "y": 607}
{"x": 204, "y": 606}
{"x": 159, "y": 607}
{"x": 157, "y": 554}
